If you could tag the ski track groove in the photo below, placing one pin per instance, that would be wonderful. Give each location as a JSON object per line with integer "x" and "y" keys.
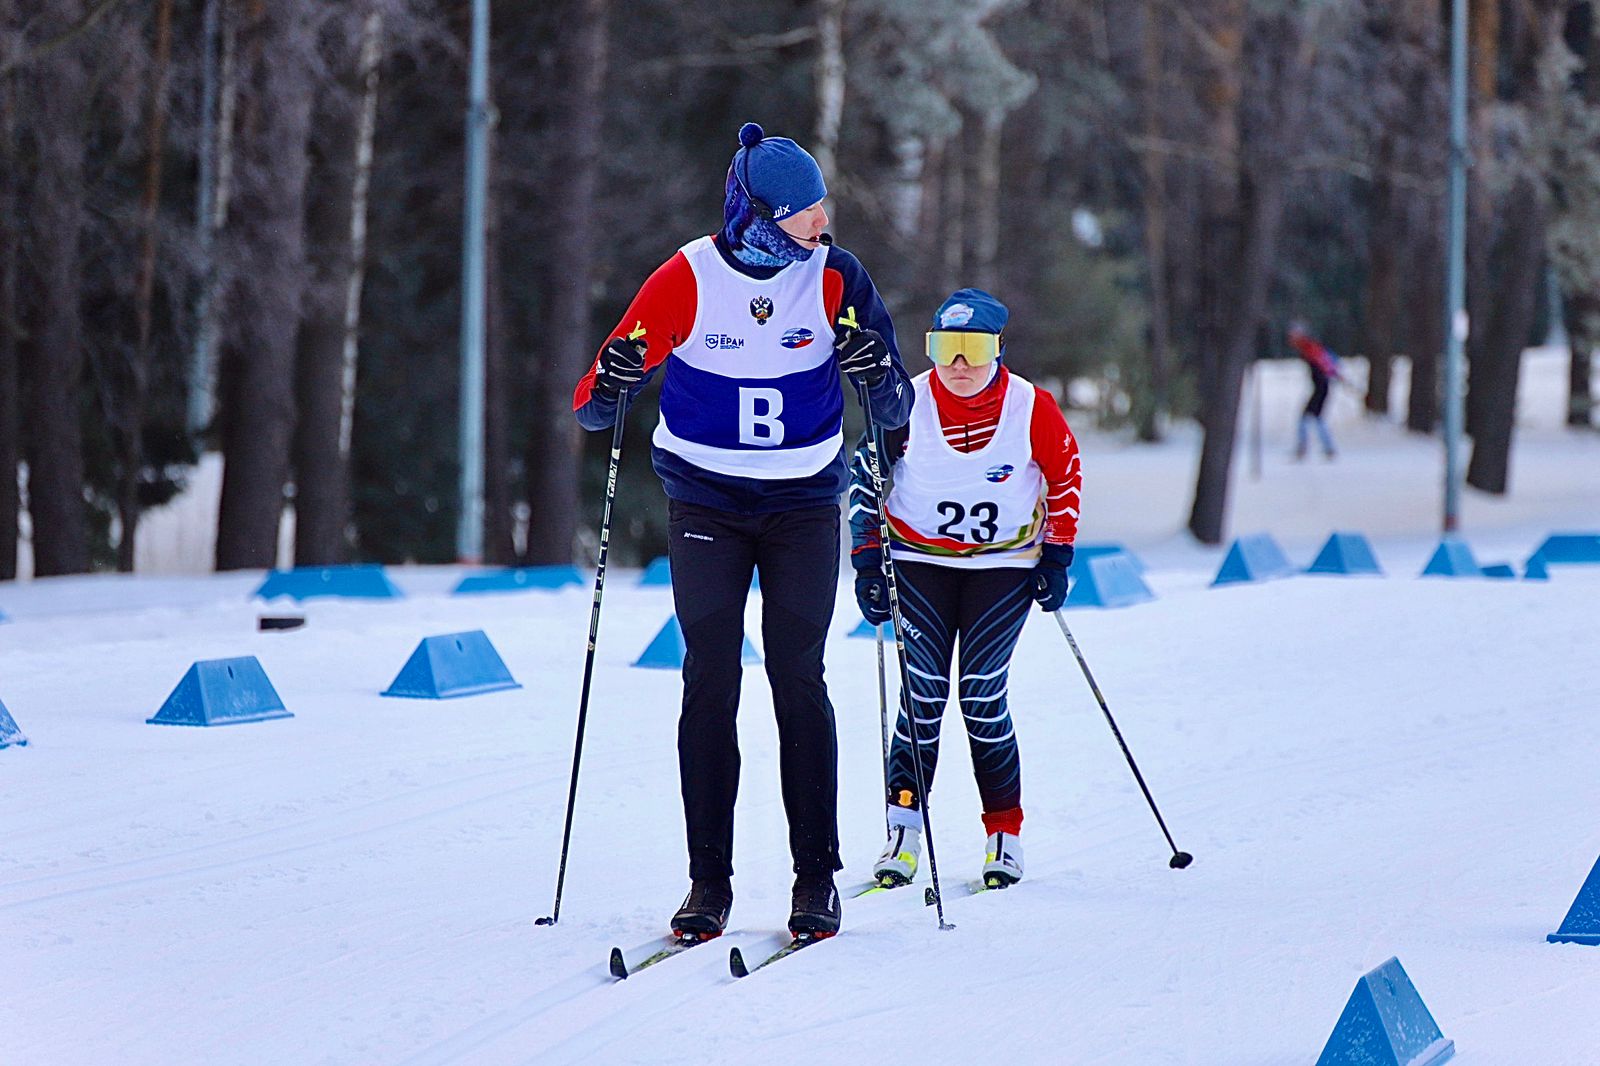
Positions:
{"x": 603, "y": 1030}
{"x": 306, "y": 827}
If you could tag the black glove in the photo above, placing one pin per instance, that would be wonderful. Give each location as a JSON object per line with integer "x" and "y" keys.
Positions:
{"x": 620, "y": 366}
{"x": 863, "y": 356}
{"x": 1050, "y": 576}
{"x": 872, "y": 595}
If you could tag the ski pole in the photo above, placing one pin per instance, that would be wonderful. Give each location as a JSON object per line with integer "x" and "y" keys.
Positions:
{"x": 594, "y": 629}
{"x": 883, "y": 719}
{"x": 934, "y": 895}
{"x": 876, "y": 470}
{"x": 1179, "y": 859}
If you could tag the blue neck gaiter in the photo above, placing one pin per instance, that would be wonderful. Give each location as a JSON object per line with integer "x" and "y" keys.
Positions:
{"x": 753, "y": 240}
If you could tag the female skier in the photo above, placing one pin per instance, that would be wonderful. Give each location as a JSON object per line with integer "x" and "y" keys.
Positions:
{"x": 981, "y": 521}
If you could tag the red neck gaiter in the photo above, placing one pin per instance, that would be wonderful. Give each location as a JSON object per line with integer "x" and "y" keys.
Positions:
{"x": 969, "y": 421}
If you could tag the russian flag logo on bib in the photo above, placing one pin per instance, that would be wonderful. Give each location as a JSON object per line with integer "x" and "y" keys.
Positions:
{"x": 999, "y": 473}
{"x": 797, "y": 338}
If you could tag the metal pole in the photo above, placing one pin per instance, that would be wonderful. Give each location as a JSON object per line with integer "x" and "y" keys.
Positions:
{"x": 469, "y": 532}
{"x": 198, "y": 409}
{"x": 1256, "y": 431}
{"x": 1456, "y": 323}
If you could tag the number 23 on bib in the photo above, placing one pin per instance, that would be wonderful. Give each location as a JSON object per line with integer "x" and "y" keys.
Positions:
{"x": 979, "y": 508}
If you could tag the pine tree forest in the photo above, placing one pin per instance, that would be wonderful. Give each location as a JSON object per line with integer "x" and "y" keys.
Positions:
{"x": 231, "y": 231}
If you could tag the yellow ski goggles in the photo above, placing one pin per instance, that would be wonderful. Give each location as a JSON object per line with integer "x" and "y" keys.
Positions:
{"x": 979, "y": 349}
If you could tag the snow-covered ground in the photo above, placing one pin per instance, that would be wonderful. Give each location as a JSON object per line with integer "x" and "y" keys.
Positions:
{"x": 1362, "y": 767}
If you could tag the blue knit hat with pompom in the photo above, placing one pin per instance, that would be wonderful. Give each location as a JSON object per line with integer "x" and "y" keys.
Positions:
{"x": 777, "y": 172}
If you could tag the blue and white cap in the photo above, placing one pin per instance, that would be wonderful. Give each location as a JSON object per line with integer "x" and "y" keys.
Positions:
{"x": 971, "y": 311}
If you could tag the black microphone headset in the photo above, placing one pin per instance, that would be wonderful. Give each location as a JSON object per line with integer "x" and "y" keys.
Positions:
{"x": 760, "y": 205}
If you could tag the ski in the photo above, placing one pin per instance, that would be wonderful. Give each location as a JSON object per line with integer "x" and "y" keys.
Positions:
{"x": 739, "y": 968}
{"x": 872, "y": 888}
{"x": 988, "y": 884}
{"x": 668, "y": 947}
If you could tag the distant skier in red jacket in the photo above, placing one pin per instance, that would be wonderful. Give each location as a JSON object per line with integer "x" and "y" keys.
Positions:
{"x": 1324, "y": 367}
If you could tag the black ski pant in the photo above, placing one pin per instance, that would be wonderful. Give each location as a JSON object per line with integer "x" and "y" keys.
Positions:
{"x": 713, "y": 554}
{"x": 1319, "y": 393}
{"x": 983, "y": 611}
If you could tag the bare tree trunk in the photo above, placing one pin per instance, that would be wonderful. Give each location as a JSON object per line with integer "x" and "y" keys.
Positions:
{"x": 265, "y": 249}
{"x": 219, "y": 98}
{"x": 830, "y": 78}
{"x": 499, "y": 546}
{"x": 907, "y": 189}
{"x": 1425, "y": 323}
{"x": 130, "y": 428}
{"x": 54, "y": 347}
{"x": 1383, "y": 286}
{"x": 1153, "y": 196}
{"x": 1483, "y": 66}
{"x": 1255, "y": 217}
{"x": 554, "y": 448}
{"x": 1424, "y": 150}
{"x": 10, "y": 380}
{"x": 326, "y": 372}
{"x": 953, "y": 216}
{"x": 1498, "y": 363}
{"x": 1261, "y": 194}
{"x": 1580, "y": 303}
{"x": 1221, "y": 93}
{"x": 1581, "y": 311}
{"x": 986, "y": 227}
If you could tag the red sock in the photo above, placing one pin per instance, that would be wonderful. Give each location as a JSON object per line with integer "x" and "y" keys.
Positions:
{"x": 1009, "y": 821}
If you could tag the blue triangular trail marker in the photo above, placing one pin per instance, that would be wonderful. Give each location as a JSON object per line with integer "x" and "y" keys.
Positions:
{"x": 1254, "y": 558}
{"x": 1385, "y": 1023}
{"x": 1452, "y": 558}
{"x": 1570, "y": 548}
{"x": 9, "y": 732}
{"x": 365, "y": 582}
{"x": 222, "y": 692}
{"x": 1582, "y": 924}
{"x": 666, "y": 651}
{"x": 659, "y": 572}
{"x": 1345, "y": 553}
{"x": 518, "y": 579}
{"x": 1562, "y": 549}
{"x": 1108, "y": 580}
{"x": 451, "y": 665}
{"x": 862, "y": 629}
{"x": 1082, "y": 551}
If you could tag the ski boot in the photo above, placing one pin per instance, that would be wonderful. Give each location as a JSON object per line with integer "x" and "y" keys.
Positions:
{"x": 815, "y": 913}
{"x": 704, "y": 913}
{"x": 1002, "y": 866}
{"x": 898, "y": 863}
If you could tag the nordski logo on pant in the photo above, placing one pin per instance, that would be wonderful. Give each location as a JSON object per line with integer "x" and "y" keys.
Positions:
{"x": 761, "y": 309}
{"x": 698, "y": 536}
{"x": 797, "y": 338}
{"x": 999, "y": 473}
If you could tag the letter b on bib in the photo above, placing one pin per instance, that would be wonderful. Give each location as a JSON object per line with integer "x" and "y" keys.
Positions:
{"x": 758, "y": 417}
